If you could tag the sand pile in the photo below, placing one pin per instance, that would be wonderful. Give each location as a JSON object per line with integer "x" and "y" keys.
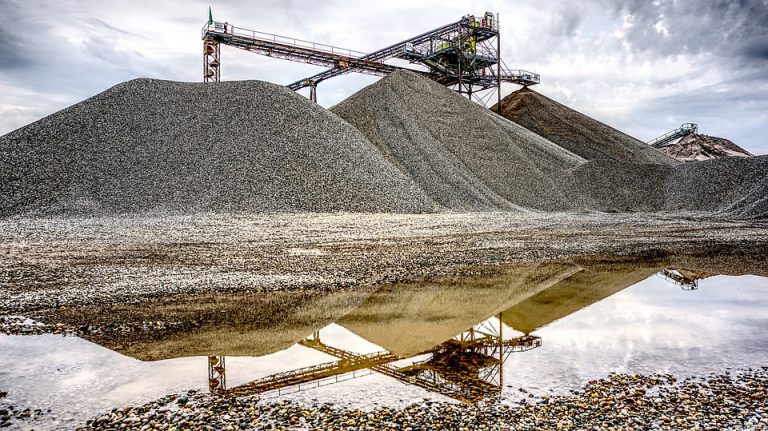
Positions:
{"x": 697, "y": 147}
{"x": 575, "y": 131}
{"x": 150, "y": 145}
{"x": 462, "y": 155}
{"x": 730, "y": 186}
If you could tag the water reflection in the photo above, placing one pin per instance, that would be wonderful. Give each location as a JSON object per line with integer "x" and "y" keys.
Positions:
{"x": 686, "y": 279}
{"x": 467, "y": 367}
{"x": 465, "y": 338}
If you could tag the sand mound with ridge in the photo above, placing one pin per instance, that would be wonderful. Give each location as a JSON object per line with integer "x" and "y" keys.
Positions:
{"x": 240, "y": 146}
{"x": 576, "y": 132}
{"x": 462, "y": 155}
{"x": 697, "y": 147}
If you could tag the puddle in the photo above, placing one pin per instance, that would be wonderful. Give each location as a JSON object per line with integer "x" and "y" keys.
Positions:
{"x": 541, "y": 328}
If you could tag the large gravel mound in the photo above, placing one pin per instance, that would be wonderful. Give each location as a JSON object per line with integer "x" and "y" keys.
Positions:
{"x": 697, "y": 147}
{"x": 575, "y": 131}
{"x": 731, "y": 186}
{"x": 606, "y": 185}
{"x": 462, "y": 155}
{"x": 150, "y": 145}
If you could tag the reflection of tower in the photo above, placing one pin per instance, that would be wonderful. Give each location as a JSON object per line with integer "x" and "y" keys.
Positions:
{"x": 470, "y": 366}
{"x": 687, "y": 280}
{"x": 217, "y": 378}
{"x": 467, "y": 367}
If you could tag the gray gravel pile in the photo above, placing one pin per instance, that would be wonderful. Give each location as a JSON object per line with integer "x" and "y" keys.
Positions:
{"x": 607, "y": 185}
{"x": 575, "y": 131}
{"x": 731, "y": 186}
{"x": 462, "y": 155}
{"x": 150, "y": 145}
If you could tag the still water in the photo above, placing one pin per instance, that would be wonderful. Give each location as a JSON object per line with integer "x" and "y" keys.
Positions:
{"x": 544, "y": 328}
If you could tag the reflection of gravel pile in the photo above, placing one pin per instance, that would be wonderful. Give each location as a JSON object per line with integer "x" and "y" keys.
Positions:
{"x": 463, "y": 156}
{"x": 236, "y": 146}
{"x": 695, "y": 147}
{"x": 732, "y": 186}
{"x": 575, "y": 131}
{"x": 605, "y": 185}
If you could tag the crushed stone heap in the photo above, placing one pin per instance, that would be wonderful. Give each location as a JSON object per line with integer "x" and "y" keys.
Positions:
{"x": 697, "y": 147}
{"x": 576, "y": 132}
{"x": 730, "y": 186}
{"x": 238, "y": 146}
{"x": 464, "y": 156}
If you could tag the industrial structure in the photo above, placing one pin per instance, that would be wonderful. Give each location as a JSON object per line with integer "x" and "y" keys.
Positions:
{"x": 684, "y": 130}
{"x": 467, "y": 368}
{"x": 464, "y": 55}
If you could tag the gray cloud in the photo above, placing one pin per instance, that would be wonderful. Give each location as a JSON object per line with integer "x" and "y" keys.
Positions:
{"x": 723, "y": 27}
{"x": 688, "y": 60}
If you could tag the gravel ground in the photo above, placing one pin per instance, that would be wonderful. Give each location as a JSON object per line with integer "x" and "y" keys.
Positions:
{"x": 462, "y": 155}
{"x": 48, "y": 263}
{"x": 737, "y": 401}
{"x": 151, "y": 145}
{"x": 730, "y": 186}
{"x": 576, "y": 132}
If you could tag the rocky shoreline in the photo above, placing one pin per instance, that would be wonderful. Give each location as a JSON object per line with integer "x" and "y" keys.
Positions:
{"x": 13, "y": 415}
{"x": 731, "y": 400}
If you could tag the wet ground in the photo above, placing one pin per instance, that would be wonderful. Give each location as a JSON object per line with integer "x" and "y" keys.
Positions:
{"x": 495, "y": 340}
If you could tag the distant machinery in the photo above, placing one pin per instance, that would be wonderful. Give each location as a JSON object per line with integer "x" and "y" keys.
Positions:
{"x": 684, "y": 130}
{"x": 687, "y": 280}
{"x": 464, "y": 55}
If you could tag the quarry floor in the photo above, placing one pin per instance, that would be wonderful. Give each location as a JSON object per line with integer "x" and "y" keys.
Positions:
{"x": 55, "y": 263}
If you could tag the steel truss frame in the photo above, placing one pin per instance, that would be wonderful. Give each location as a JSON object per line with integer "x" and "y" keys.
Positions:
{"x": 464, "y": 55}
{"x": 483, "y": 344}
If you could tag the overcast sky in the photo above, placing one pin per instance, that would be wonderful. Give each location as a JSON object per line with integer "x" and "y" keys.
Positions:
{"x": 643, "y": 67}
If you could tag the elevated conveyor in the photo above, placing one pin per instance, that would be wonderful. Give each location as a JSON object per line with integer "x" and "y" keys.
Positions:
{"x": 684, "y": 130}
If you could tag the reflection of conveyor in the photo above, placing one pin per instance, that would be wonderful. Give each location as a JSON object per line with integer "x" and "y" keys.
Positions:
{"x": 349, "y": 363}
{"x": 687, "y": 280}
{"x": 467, "y": 368}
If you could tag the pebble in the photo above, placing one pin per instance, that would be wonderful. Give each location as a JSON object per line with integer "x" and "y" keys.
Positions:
{"x": 659, "y": 401}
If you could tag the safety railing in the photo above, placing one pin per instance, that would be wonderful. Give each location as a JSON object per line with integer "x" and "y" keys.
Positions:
{"x": 520, "y": 74}
{"x": 226, "y": 29}
{"x": 683, "y": 130}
